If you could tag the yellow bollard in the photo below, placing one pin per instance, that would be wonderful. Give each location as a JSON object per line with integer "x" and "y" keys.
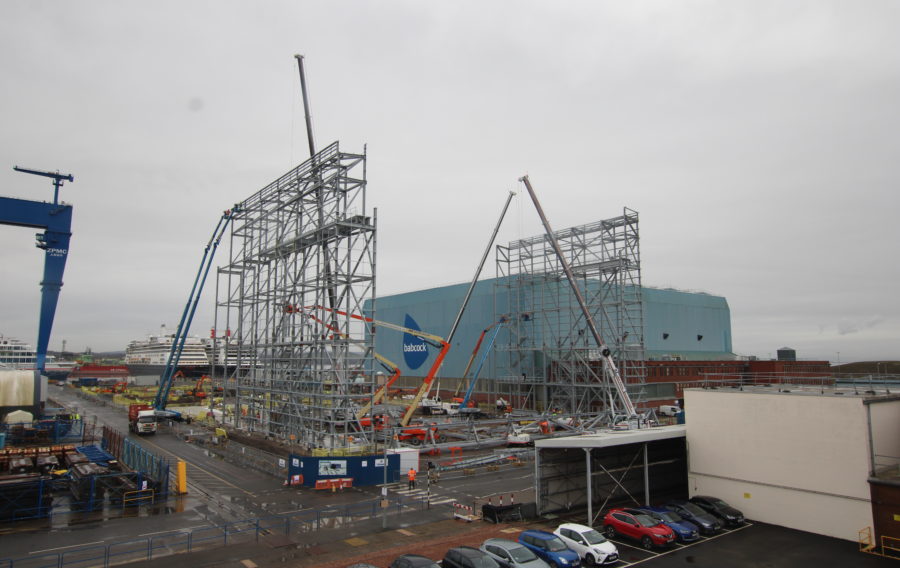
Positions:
{"x": 181, "y": 478}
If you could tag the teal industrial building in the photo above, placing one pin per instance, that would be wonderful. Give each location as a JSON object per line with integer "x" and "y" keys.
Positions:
{"x": 678, "y": 325}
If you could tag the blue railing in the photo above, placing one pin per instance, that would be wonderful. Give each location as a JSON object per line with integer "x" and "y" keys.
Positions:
{"x": 180, "y": 541}
{"x": 45, "y": 431}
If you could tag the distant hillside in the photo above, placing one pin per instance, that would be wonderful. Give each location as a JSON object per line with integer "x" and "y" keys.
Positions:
{"x": 105, "y": 357}
{"x": 869, "y": 368}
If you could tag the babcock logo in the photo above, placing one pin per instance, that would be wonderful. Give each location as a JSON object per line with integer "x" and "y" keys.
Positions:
{"x": 415, "y": 352}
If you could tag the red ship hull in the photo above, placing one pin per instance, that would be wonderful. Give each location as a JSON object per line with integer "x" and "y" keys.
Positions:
{"x": 91, "y": 370}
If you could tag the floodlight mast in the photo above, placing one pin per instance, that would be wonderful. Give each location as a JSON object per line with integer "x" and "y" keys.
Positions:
{"x": 604, "y": 349}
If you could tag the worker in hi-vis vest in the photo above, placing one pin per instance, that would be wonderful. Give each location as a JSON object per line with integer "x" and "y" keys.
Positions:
{"x": 412, "y": 478}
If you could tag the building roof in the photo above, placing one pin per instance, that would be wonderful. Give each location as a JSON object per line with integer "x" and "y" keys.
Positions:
{"x": 610, "y": 438}
{"x": 869, "y": 394}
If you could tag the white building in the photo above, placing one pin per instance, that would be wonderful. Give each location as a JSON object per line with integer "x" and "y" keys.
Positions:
{"x": 796, "y": 457}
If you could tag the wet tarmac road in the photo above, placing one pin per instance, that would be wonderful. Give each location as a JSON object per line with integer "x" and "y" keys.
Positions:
{"x": 220, "y": 492}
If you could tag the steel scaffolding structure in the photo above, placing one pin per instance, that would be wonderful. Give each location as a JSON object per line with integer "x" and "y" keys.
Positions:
{"x": 302, "y": 263}
{"x": 553, "y": 362}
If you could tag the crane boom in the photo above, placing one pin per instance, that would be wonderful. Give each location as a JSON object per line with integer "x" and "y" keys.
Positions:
{"x": 471, "y": 288}
{"x": 432, "y": 339}
{"x": 379, "y": 394}
{"x": 611, "y": 369}
{"x": 465, "y": 401}
{"x": 187, "y": 316}
{"x": 484, "y": 256}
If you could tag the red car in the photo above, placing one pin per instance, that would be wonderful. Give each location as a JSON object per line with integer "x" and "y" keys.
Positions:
{"x": 641, "y": 527}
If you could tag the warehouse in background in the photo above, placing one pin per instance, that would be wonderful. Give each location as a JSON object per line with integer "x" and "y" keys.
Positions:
{"x": 687, "y": 343}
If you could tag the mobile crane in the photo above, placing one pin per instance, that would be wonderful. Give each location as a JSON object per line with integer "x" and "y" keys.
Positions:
{"x": 184, "y": 326}
{"x": 610, "y": 369}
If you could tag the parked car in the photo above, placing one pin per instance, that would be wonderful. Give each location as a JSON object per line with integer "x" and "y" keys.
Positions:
{"x": 511, "y": 554}
{"x": 550, "y": 548}
{"x": 591, "y": 546}
{"x": 467, "y": 557}
{"x": 720, "y": 509}
{"x": 685, "y": 531}
{"x": 413, "y": 561}
{"x": 707, "y": 523}
{"x": 640, "y": 526}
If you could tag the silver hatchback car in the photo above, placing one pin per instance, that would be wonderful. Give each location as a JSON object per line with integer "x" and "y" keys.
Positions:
{"x": 511, "y": 554}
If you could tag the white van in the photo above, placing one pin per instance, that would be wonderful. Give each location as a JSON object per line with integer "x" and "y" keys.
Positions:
{"x": 669, "y": 410}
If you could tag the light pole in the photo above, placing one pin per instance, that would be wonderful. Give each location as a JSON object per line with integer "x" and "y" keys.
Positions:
{"x": 384, "y": 489}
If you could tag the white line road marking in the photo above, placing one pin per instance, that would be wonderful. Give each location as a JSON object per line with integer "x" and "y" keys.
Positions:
{"x": 175, "y": 531}
{"x": 62, "y": 547}
{"x": 695, "y": 542}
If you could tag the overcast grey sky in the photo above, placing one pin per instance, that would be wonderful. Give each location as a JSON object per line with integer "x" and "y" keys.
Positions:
{"x": 757, "y": 140}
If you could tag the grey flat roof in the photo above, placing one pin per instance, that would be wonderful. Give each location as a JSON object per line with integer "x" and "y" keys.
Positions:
{"x": 873, "y": 393}
{"x": 606, "y": 439}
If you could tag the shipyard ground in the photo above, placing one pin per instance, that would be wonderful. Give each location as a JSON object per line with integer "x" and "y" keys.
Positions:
{"x": 430, "y": 532}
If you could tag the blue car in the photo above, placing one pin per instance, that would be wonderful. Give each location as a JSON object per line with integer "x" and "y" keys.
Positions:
{"x": 550, "y": 548}
{"x": 690, "y": 512}
{"x": 685, "y": 531}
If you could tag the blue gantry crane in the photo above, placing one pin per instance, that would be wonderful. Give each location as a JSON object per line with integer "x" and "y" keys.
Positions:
{"x": 56, "y": 221}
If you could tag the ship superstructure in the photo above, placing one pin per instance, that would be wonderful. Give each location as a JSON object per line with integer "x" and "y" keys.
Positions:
{"x": 16, "y": 354}
{"x": 149, "y": 356}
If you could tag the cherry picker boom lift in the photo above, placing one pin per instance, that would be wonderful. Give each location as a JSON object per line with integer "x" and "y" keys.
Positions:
{"x": 497, "y": 326}
{"x": 379, "y": 394}
{"x": 432, "y": 340}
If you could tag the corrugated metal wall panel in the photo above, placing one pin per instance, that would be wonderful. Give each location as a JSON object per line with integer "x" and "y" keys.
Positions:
{"x": 682, "y": 315}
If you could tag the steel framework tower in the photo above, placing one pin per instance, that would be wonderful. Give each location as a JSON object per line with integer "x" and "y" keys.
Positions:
{"x": 553, "y": 360}
{"x": 302, "y": 243}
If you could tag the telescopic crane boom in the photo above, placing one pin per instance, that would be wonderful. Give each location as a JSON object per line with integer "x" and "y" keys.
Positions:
{"x": 187, "y": 316}
{"x": 611, "y": 370}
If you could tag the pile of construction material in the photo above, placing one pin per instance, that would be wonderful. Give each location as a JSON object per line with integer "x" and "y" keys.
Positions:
{"x": 26, "y": 480}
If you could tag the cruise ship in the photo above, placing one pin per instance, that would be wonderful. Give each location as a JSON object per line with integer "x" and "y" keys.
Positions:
{"x": 16, "y": 354}
{"x": 149, "y": 356}
{"x": 229, "y": 357}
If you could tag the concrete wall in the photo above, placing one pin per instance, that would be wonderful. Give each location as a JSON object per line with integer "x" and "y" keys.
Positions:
{"x": 886, "y": 434}
{"x": 800, "y": 461}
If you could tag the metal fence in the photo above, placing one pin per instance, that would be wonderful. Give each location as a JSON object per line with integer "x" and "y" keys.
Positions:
{"x": 288, "y": 525}
{"x": 43, "y": 432}
{"x": 153, "y": 469}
